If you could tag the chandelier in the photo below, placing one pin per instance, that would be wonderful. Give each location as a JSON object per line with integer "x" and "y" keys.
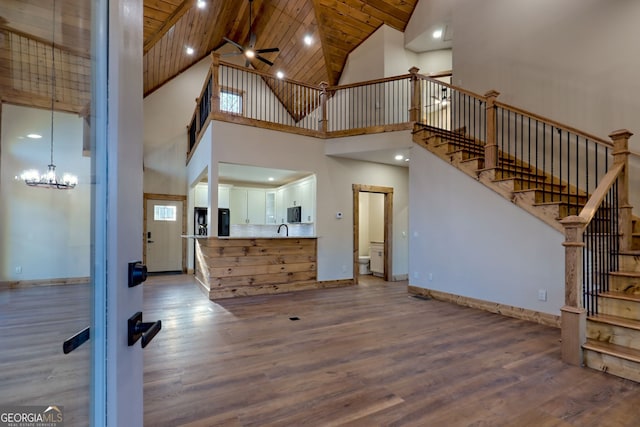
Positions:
{"x": 49, "y": 179}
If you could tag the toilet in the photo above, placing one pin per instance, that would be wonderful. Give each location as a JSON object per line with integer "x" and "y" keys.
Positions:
{"x": 363, "y": 265}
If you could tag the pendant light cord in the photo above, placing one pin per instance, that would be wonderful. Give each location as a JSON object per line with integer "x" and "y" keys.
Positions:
{"x": 53, "y": 73}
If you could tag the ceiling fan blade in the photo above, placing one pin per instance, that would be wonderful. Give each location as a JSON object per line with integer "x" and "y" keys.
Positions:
{"x": 266, "y": 61}
{"x": 234, "y": 43}
{"x": 270, "y": 49}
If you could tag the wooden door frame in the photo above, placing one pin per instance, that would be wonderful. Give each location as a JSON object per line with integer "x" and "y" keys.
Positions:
{"x": 388, "y": 222}
{"x": 172, "y": 198}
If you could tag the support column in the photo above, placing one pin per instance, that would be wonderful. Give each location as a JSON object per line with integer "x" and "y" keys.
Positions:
{"x": 215, "y": 80}
{"x": 573, "y": 320}
{"x": 491, "y": 144}
{"x": 415, "y": 102}
{"x": 621, "y": 153}
{"x": 323, "y": 104}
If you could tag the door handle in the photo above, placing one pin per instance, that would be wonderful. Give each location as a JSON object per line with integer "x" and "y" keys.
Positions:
{"x": 138, "y": 329}
{"x": 75, "y": 341}
{"x": 149, "y": 241}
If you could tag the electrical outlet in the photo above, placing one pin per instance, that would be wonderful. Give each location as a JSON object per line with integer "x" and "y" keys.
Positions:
{"x": 430, "y": 277}
{"x": 542, "y": 294}
{"x": 18, "y": 269}
{"x": 416, "y": 275}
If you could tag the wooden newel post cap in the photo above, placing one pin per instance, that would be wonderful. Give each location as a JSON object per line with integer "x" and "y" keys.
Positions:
{"x": 572, "y": 225}
{"x": 492, "y": 94}
{"x": 620, "y": 134}
{"x": 414, "y": 70}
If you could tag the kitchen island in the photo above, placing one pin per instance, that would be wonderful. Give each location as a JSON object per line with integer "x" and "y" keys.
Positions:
{"x": 229, "y": 267}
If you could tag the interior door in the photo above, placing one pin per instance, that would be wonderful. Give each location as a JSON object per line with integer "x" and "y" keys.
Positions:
{"x": 163, "y": 239}
{"x": 64, "y": 353}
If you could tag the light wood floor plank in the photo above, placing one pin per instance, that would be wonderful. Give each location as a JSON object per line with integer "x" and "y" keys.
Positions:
{"x": 367, "y": 355}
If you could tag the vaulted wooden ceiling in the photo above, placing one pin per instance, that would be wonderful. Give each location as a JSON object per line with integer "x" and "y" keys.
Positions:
{"x": 170, "y": 26}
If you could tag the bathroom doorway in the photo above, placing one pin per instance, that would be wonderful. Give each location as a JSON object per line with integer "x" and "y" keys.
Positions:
{"x": 382, "y": 244}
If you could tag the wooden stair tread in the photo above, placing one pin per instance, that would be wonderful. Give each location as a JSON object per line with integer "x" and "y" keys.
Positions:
{"x": 552, "y": 192}
{"x": 615, "y": 321}
{"x": 625, "y": 273}
{"x": 630, "y": 252}
{"x": 619, "y": 295}
{"x": 507, "y": 170}
{"x": 613, "y": 350}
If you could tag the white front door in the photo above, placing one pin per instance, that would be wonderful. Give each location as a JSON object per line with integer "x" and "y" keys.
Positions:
{"x": 163, "y": 239}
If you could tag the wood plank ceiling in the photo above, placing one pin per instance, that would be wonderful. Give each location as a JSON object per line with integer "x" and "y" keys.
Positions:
{"x": 336, "y": 27}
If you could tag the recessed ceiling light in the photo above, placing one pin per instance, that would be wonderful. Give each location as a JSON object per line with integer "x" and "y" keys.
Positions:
{"x": 34, "y": 136}
{"x": 271, "y": 178}
{"x": 280, "y": 75}
{"x": 406, "y": 160}
{"x": 202, "y": 4}
{"x": 437, "y": 34}
{"x": 399, "y": 157}
{"x": 189, "y": 50}
{"x": 308, "y": 40}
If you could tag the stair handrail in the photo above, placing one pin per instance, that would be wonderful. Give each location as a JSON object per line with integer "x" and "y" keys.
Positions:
{"x": 554, "y": 123}
{"x": 615, "y": 183}
{"x": 595, "y": 201}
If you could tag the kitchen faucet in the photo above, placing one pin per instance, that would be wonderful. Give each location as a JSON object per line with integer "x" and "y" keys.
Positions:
{"x": 285, "y": 226}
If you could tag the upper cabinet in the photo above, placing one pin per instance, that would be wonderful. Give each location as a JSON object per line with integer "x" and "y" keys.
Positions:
{"x": 201, "y": 196}
{"x": 247, "y": 205}
{"x": 223, "y": 195}
{"x": 299, "y": 193}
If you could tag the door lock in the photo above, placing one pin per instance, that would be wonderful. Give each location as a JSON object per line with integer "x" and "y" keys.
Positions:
{"x": 137, "y": 273}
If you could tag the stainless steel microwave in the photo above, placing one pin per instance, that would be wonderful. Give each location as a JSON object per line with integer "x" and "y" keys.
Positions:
{"x": 294, "y": 214}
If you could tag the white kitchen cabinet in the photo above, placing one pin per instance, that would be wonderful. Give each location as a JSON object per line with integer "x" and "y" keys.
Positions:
{"x": 256, "y": 202}
{"x": 270, "y": 207}
{"x": 201, "y": 195}
{"x": 307, "y": 195}
{"x": 223, "y": 196}
{"x": 376, "y": 252}
{"x": 298, "y": 193}
{"x": 247, "y": 205}
{"x": 281, "y": 206}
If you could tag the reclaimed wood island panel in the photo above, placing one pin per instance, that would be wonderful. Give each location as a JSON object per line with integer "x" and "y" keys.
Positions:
{"x": 232, "y": 267}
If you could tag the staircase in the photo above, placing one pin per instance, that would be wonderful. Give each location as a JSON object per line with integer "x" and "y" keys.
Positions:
{"x": 613, "y": 331}
{"x": 613, "y": 334}
{"x": 540, "y": 194}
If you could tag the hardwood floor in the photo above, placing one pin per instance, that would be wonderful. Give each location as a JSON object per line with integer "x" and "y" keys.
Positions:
{"x": 362, "y": 356}
{"x": 368, "y": 355}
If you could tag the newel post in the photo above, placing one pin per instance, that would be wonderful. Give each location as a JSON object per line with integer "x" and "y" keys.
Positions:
{"x": 323, "y": 105}
{"x": 215, "y": 80}
{"x": 414, "y": 108}
{"x": 491, "y": 144}
{"x": 620, "y": 153}
{"x": 573, "y": 317}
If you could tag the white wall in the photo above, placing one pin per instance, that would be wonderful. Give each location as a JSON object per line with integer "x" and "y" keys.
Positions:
{"x": 334, "y": 178}
{"x": 569, "y": 60}
{"x": 472, "y": 242}
{"x": 43, "y": 232}
{"x": 167, "y": 112}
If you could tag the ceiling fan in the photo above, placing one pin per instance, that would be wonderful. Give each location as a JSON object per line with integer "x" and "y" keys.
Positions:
{"x": 443, "y": 99}
{"x": 250, "y": 51}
